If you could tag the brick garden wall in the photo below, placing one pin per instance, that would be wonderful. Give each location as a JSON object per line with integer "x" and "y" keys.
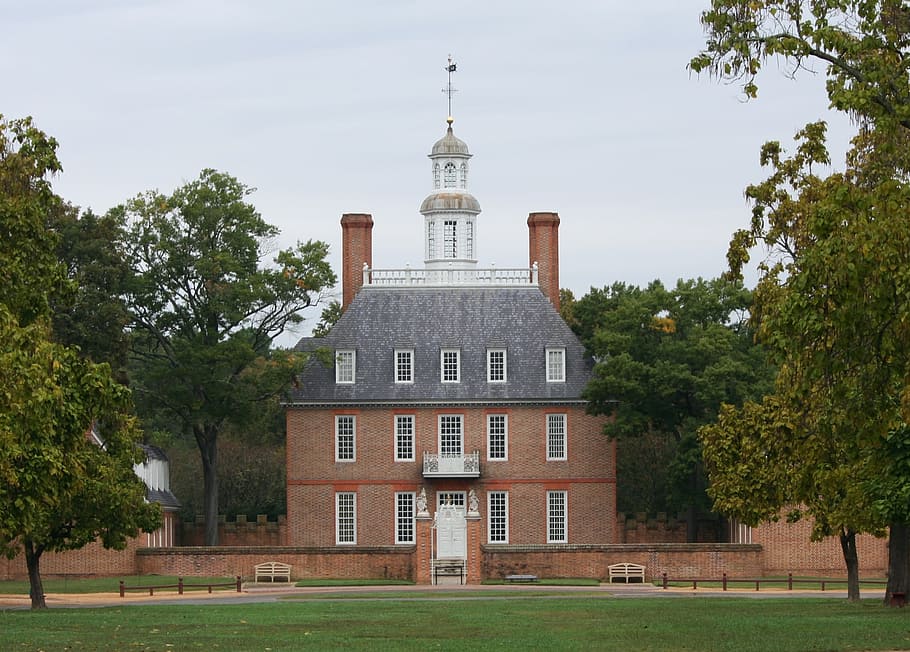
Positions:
{"x": 677, "y": 560}
{"x": 239, "y": 532}
{"x": 787, "y": 547}
{"x": 354, "y": 563}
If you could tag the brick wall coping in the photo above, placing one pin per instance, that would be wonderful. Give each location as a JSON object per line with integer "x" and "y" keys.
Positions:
{"x": 275, "y": 550}
{"x": 626, "y": 547}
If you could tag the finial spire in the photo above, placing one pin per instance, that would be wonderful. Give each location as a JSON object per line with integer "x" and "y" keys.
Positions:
{"x": 448, "y": 90}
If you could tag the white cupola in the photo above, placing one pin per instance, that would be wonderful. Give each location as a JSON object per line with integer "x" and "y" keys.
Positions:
{"x": 450, "y": 211}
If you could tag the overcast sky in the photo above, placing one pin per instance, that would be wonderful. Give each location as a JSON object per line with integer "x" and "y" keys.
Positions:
{"x": 581, "y": 107}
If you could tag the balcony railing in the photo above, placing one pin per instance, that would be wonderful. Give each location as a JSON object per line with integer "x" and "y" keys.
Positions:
{"x": 440, "y": 465}
{"x": 444, "y": 277}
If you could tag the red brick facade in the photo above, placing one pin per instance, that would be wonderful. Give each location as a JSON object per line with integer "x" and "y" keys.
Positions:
{"x": 314, "y": 476}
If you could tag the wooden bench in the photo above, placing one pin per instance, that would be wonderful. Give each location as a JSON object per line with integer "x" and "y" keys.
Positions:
{"x": 626, "y": 572}
{"x": 274, "y": 570}
{"x": 448, "y": 568}
{"x": 521, "y": 578}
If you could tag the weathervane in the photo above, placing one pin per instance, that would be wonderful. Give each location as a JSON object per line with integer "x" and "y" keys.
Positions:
{"x": 448, "y": 90}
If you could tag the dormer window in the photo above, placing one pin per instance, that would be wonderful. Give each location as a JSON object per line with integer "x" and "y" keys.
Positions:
{"x": 496, "y": 365}
{"x": 345, "y": 367}
{"x": 450, "y": 361}
{"x": 556, "y": 365}
{"x": 449, "y": 175}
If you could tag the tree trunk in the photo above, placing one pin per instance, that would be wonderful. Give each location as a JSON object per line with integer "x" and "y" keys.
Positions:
{"x": 898, "y": 564}
{"x": 35, "y": 587}
{"x": 207, "y": 439}
{"x": 848, "y": 546}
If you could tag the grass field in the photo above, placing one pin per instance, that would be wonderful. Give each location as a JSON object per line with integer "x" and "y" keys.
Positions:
{"x": 471, "y": 621}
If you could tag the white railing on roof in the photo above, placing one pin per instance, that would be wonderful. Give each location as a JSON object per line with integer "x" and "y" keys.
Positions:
{"x": 408, "y": 277}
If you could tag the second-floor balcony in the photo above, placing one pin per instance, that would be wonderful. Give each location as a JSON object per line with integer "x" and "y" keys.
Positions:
{"x": 443, "y": 465}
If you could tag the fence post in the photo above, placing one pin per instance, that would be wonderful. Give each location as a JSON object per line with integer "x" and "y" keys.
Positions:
{"x": 790, "y": 581}
{"x": 238, "y": 584}
{"x": 122, "y": 590}
{"x": 665, "y": 580}
{"x": 179, "y": 586}
{"x": 757, "y": 583}
{"x": 725, "y": 581}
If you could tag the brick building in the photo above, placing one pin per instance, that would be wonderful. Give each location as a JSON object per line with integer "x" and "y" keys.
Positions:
{"x": 446, "y": 417}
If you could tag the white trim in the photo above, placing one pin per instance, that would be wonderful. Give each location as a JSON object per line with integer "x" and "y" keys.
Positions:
{"x": 460, "y": 433}
{"x": 345, "y": 366}
{"x": 556, "y": 369}
{"x": 396, "y": 370}
{"x": 505, "y": 368}
{"x": 555, "y": 520}
{"x": 397, "y": 434}
{"x": 352, "y": 517}
{"x": 412, "y": 519}
{"x": 461, "y": 497}
{"x": 353, "y": 434}
{"x": 505, "y": 446}
{"x": 554, "y": 435}
{"x": 505, "y": 516}
{"x": 442, "y": 365}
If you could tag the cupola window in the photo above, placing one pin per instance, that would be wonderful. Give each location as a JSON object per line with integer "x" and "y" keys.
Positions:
{"x": 449, "y": 175}
{"x": 436, "y": 176}
{"x": 449, "y": 231}
{"x": 463, "y": 176}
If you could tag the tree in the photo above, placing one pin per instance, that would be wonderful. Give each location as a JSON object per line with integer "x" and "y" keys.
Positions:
{"x": 29, "y": 269}
{"x": 863, "y": 45}
{"x": 90, "y": 313}
{"x": 666, "y": 360}
{"x": 833, "y": 307}
{"x": 330, "y": 315}
{"x": 205, "y": 311}
{"x": 832, "y": 304}
{"x": 58, "y": 489}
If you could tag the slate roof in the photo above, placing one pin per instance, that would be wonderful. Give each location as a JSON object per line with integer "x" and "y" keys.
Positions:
{"x": 472, "y": 319}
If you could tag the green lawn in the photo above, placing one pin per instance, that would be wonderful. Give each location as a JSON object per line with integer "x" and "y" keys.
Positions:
{"x": 470, "y": 622}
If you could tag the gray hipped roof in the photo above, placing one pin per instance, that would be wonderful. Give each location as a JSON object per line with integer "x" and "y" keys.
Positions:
{"x": 426, "y": 320}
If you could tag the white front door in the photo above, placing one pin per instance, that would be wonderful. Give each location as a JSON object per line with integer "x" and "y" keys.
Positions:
{"x": 451, "y": 529}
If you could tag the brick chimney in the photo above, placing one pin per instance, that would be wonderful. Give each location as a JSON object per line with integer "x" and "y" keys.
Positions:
{"x": 356, "y": 249}
{"x": 543, "y": 232}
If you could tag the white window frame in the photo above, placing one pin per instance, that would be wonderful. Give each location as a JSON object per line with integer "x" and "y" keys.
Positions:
{"x": 504, "y": 433}
{"x": 339, "y": 419}
{"x": 505, "y": 367}
{"x": 345, "y": 366}
{"x": 449, "y": 175}
{"x": 450, "y": 238}
{"x": 405, "y": 518}
{"x": 557, "y": 437}
{"x": 459, "y": 502}
{"x": 401, "y": 436}
{"x": 442, "y": 365}
{"x": 456, "y": 418}
{"x": 498, "y": 517}
{"x": 557, "y": 519}
{"x": 345, "y": 521}
{"x": 399, "y": 377}
{"x": 556, "y": 364}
